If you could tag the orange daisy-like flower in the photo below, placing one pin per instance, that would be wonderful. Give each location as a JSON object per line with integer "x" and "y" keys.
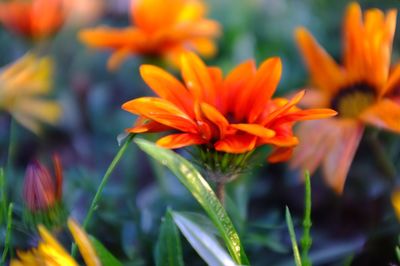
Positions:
{"x": 231, "y": 115}
{"x": 162, "y": 28}
{"x": 361, "y": 90}
{"x": 35, "y": 19}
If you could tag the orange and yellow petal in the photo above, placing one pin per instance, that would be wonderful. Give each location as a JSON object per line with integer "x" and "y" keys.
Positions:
{"x": 85, "y": 247}
{"x": 197, "y": 78}
{"x": 384, "y": 114}
{"x": 236, "y": 143}
{"x": 324, "y": 71}
{"x": 176, "y": 141}
{"x": 280, "y": 155}
{"x": 167, "y": 87}
{"x": 161, "y": 111}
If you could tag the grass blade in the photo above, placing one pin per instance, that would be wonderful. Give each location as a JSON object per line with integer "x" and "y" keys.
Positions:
{"x": 206, "y": 245}
{"x": 296, "y": 254}
{"x": 202, "y": 192}
{"x": 169, "y": 248}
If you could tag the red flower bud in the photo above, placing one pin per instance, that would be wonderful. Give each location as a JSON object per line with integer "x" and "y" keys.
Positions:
{"x": 41, "y": 190}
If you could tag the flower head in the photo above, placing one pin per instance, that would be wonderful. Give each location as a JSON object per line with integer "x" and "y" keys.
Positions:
{"x": 161, "y": 27}
{"x": 42, "y": 191}
{"x": 360, "y": 90}
{"x": 50, "y": 252}
{"x": 23, "y": 86}
{"x": 232, "y": 114}
{"x": 34, "y": 19}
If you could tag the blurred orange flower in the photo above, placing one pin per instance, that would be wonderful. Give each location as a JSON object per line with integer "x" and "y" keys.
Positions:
{"x": 35, "y": 19}
{"x": 23, "y": 86}
{"x": 234, "y": 114}
{"x": 50, "y": 251}
{"x": 360, "y": 90}
{"x": 162, "y": 28}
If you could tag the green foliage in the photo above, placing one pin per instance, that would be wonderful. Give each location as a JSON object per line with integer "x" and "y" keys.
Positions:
{"x": 202, "y": 192}
{"x": 3, "y": 197}
{"x": 202, "y": 240}
{"x": 296, "y": 253}
{"x": 7, "y": 244}
{"x": 306, "y": 240}
{"x": 104, "y": 255}
{"x": 168, "y": 250}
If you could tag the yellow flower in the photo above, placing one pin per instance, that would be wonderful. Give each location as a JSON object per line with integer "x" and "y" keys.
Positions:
{"x": 50, "y": 253}
{"x": 23, "y": 86}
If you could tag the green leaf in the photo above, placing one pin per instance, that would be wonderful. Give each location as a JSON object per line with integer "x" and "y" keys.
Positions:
{"x": 105, "y": 256}
{"x": 202, "y": 192}
{"x": 306, "y": 240}
{"x": 296, "y": 254}
{"x": 169, "y": 249}
{"x": 206, "y": 245}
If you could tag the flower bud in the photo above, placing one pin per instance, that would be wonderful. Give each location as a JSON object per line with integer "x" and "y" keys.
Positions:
{"x": 42, "y": 192}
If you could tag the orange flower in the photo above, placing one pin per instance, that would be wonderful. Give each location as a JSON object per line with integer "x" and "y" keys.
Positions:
{"x": 232, "y": 115}
{"x": 35, "y": 19}
{"x": 162, "y": 28}
{"x": 360, "y": 90}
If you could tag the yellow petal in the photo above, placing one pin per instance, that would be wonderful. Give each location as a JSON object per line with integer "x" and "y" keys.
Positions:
{"x": 88, "y": 253}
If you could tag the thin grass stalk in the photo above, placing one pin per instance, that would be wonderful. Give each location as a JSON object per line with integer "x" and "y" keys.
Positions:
{"x": 104, "y": 180}
{"x": 306, "y": 240}
{"x": 7, "y": 243}
{"x": 292, "y": 234}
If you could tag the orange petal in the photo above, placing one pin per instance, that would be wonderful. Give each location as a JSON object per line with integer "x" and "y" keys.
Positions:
{"x": 143, "y": 125}
{"x": 212, "y": 114}
{"x": 176, "y": 141}
{"x": 315, "y": 139}
{"x": 323, "y": 69}
{"x": 234, "y": 83}
{"x": 117, "y": 58}
{"x": 384, "y": 114}
{"x": 271, "y": 116}
{"x": 105, "y": 37}
{"x": 340, "y": 154}
{"x": 253, "y": 98}
{"x": 197, "y": 78}
{"x": 280, "y": 155}
{"x": 308, "y": 114}
{"x": 264, "y": 86}
{"x": 393, "y": 81}
{"x": 236, "y": 143}
{"x": 255, "y": 129}
{"x": 168, "y": 87}
{"x": 162, "y": 111}
{"x": 396, "y": 202}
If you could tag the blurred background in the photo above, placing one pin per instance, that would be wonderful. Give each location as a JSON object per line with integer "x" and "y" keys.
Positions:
{"x": 356, "y": 228}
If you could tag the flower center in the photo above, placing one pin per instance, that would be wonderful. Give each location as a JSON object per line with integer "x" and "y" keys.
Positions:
{"x": 352, "y": 100}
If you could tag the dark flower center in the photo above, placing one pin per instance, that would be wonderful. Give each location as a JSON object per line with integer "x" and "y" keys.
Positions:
{"x": 352, "y": 100}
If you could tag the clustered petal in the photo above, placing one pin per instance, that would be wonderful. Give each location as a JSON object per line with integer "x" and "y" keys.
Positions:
{"x": 50, "y": 252}
{"x": 157, "y": 32}
{"x": 34, "y": 19}
{"x": 362, "y": 90}
{"x": 234, "y": 114}
{"x": 23, "y": 88}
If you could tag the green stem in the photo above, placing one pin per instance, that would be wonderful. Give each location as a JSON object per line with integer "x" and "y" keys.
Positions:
{"x": 381, "y": 156}
{"x": 104, "y": 180}
{"x": 3, "y": 199}
{"x": 11, "y": 147}
{"x": 8, "y": 234}
{"x": 306, "y": 239}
